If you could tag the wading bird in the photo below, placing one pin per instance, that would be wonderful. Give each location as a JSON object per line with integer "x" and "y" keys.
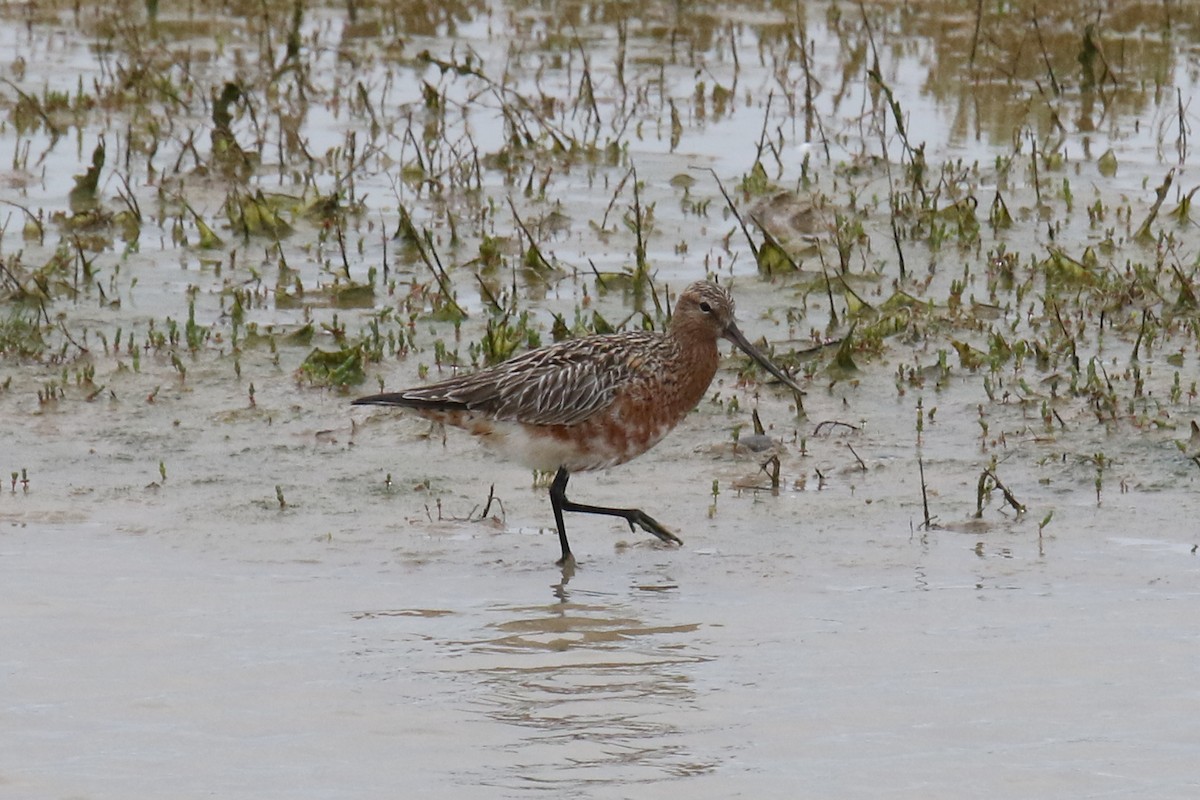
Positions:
{"x": 592, "y": 402}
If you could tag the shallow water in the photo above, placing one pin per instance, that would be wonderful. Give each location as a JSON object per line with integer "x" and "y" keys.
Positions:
{"x": 822, "y": 659}
{"x": 212, "y": 591}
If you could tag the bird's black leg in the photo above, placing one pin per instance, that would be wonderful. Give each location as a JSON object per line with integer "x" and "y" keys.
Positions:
{"x": 634, "y": 516}
{"x": 558, "y": 499}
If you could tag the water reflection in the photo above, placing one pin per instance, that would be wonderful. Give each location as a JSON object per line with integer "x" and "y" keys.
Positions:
{"x": 599, "y": 695}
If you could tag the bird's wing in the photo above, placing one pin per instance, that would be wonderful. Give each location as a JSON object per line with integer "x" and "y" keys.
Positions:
{"x": 563, "y": 384}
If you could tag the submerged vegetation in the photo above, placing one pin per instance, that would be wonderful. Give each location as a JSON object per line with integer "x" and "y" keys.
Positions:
{"x": 987, "y": 212}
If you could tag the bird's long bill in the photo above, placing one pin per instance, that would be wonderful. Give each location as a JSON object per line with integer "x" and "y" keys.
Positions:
{"x": 738, "y": 338}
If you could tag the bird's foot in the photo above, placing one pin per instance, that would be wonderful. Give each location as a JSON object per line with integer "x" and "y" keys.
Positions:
{"x": 567, "y": 565}
{"x": 650, "y": 525}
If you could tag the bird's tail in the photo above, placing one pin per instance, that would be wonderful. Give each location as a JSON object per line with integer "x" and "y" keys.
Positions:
{"x": 409, "y": 400}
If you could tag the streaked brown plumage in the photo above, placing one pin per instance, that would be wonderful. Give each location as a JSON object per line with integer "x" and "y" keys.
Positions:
{"x": 593, "y": 402}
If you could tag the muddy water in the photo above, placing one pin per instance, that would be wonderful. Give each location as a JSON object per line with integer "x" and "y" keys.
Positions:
{"x": 210, "y": 592}
{"x": 772, "y": 656}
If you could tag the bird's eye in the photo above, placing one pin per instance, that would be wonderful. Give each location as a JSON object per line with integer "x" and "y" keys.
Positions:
{"x": 705, "y": 307}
